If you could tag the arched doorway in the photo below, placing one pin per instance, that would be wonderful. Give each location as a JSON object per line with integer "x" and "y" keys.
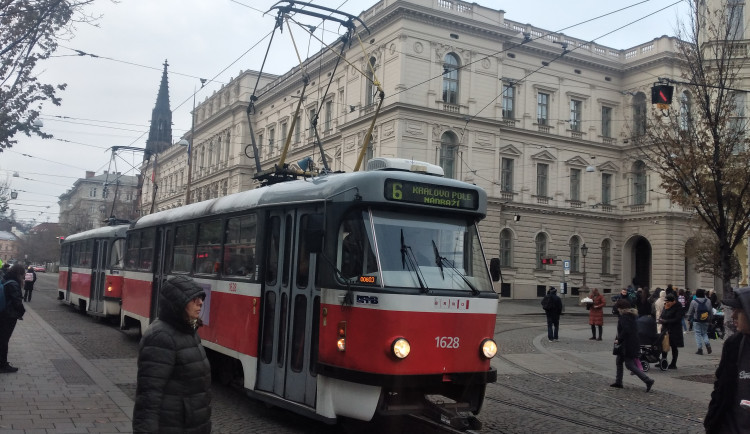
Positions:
{"x": 691, "y": 274}
{"x": 636, "y": 264}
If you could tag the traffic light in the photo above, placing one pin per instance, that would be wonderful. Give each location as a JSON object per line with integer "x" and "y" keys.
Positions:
{"x": 661, "y": 94}
{"x": 548, "y": 261}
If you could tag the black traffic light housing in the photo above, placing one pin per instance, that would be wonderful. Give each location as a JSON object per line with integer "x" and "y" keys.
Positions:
{"x": 662, "y": 94}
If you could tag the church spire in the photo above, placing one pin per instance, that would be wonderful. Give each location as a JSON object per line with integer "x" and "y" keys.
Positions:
{"x": 160, "y": 134}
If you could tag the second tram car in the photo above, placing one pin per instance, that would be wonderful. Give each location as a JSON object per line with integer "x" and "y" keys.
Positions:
{"x": 91, "y": 264}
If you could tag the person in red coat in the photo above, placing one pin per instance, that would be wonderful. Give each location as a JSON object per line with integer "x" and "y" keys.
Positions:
{"x": 596, "y": 314}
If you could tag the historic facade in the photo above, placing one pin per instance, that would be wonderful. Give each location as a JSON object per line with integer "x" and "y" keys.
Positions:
{"x": 94, "y": 199}
{"x": 542, "y": 121}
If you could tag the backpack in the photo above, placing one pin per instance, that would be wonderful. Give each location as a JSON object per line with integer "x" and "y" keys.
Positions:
{"x": 29, "y": 277}
{"x": 701, "y": 313}
{"x": 547, "y": 302}
{"x": 2, "y": 296}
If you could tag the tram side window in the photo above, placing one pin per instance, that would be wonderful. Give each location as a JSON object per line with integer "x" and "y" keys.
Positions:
{"x": 208, "y": 252}
{"x": 116, "y": 259}
{"x": 134, "y": 246}
{"x": 272, "y": 255}
{"x": 65, "y": 255}
{"x": 184, "y": 242}
{"x": 303, "y": 258}
{"x": 239, "y": 247}
{"x": 85, "y": 252}
{"x": 355, "y": 251}
{"x": 147, "y": 249}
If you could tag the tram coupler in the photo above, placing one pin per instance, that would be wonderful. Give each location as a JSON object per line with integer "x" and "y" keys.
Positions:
{"x": 448, "y": 412}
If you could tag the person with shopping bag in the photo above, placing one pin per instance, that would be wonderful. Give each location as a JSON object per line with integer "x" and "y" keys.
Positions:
{"x": 671, "y": 321}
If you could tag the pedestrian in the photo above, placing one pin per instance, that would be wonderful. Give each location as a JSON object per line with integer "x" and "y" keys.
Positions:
{"x": 714, "y": 299}
{"x": 29, "y": 279}
{"x": 174, "y": 375}
{"x": 642, "y": 303}
{"x": 701, "y": 313}
{"x": 4, "y": 269}
{"x": 14, "y": 311}
{"x": 596, "y": 314}
{"x": 552, "y": 306}
{"x": 726, "y": 414}
{"x": 659, "y": 308}
{"x": 670, "y": 320}
{"x": 627, "y": 338}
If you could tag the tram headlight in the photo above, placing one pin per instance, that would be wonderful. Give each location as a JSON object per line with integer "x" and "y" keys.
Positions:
{"x": 401, "y": 348}
{"x": 488, "y": 348}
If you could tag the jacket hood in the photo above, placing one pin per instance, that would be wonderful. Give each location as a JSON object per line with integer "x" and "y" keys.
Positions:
{"x": 174, "y": 296}
{"x": 743, "y": 295}
{"x": 630, "y": 311}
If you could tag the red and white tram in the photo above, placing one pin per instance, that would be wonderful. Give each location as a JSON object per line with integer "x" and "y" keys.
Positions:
{"x": 343, "y": 295}
{"x": 91, "y": 265}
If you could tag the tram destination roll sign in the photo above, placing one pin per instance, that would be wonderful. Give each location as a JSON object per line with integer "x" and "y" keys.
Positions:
{"x": 431, "y": 194}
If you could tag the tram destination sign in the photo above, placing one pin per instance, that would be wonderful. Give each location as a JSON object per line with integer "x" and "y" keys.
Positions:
{"x": 431, "y": 194}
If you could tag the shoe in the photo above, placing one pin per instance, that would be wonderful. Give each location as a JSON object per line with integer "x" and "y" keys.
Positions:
{"x": 599, "y": 338}
{"x": 708, "y": 349}
{"x": 592, "y": 339}
{"x": 649, "y": 384}
{"x": 552, "y": 340}
{"x": 672, "y": 367}
{"x": 7, "y": 369}
{"x": 699, "y": 352}
{"x": 617, "y": 385}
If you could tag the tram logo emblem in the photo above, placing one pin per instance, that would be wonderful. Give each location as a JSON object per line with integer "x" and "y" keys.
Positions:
{"x": 451, "y": 303}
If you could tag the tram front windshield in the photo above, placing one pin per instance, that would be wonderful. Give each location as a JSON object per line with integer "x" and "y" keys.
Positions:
{"x": 414, "y": 251}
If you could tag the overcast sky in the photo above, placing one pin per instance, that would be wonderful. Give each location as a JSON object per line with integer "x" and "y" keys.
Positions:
{"x": 109, "y": 98}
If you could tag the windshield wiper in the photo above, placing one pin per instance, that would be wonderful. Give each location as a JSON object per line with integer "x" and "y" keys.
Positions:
{"x": 440, "y": 261}
{"x": 409, "y": 261}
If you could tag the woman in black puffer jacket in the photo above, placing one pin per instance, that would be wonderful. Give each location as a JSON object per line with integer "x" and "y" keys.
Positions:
{"x": 14, "y": 311}
{"x": 174, "y": 376}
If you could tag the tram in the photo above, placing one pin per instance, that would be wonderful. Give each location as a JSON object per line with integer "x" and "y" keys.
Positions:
{"x": 342, "y": 295}
{"x": 91, "y": 264}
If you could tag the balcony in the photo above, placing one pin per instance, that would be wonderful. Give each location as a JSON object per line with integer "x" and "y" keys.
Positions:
{"x": 450, "y": 108}
{"x": 542, "y": 200}
{"x": 576, "y": 204}
{"x": 544, "y": 128}
{"x": 609, "y": 141}
{"x": 576, "y": 135}
{"x": 507, "y": 195}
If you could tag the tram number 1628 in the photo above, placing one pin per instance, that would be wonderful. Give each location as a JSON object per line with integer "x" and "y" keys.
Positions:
{"x": 446, "y": 342}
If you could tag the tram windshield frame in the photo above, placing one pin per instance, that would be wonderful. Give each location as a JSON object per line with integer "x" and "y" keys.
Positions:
{"x": 415, "y": 251}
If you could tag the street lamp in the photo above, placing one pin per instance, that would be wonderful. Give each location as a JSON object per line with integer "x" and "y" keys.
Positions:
{"x": 584, "y": 252}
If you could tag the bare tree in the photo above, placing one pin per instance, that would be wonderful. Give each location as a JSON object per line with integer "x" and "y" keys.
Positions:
{"x": 29, "y": 33}
{"x": 700, "y": 150}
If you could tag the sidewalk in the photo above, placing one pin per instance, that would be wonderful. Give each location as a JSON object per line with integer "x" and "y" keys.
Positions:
{"x": 57, "y": 389}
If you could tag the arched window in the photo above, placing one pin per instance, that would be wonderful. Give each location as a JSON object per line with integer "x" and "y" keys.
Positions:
{"x": 575, "y": 254}
{"x": 606, "y": 257}
{"x": 639, "y": 183}
{"x": 448, "y": 154}
{"x": 450, "y": 79}
{"x": 639, "y": 114}
{"x": 540, "y": 244}
{"x": 685, "y": 109}
{"x": 370, "y": 88}
{"x": 506, "y": 246}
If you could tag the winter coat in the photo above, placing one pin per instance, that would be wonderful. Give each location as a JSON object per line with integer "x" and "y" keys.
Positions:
{"x": 596, "y": 313}
{"x": 659, "y": 308}
{"x": 725, "y": 386}
{"x": 174, "y": 375}
{"x": 13, "y": 301}
{"x": 627, "y": 333}
{"x": 643, "y": 306}
{"x": 556, "y": 307}
{"x": 29, "y": 284}
{"x": 672, "y": 321}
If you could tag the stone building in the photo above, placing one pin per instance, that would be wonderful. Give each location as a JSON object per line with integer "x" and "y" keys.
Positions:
{"x": 8, "y": 246}
{"x": 94, "y": 199}
{"x": 541, "y": 120}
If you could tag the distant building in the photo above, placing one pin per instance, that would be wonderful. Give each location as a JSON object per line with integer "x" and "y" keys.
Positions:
{"x": 95, "y": 198}
{"x": 8, "y": 246}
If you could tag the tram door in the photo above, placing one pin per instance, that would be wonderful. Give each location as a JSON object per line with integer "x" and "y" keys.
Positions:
{"x": 162, "y": 245}
{"x": 289, "y": 309}
{"x": 99, "y": 275}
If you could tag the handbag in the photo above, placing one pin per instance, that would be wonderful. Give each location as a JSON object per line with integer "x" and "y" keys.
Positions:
{"x": 616, "y": 349}
{"x": 665, "y": 343}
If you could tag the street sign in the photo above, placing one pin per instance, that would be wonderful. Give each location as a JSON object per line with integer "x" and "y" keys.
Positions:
{"x": 566, "y": 266}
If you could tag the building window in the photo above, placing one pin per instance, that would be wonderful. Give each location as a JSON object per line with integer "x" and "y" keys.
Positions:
{"x": 575, "y": 254}
{"x": 271, "y": 137}
{"x": 575, "y": 114}
{"x": 218, "y": 151}
{"x": 738, "y": 123}
{"x": 639, "y": 183}
{"x": 575, "y": 184}
{"x": 685, "y": 109}
{"x": 450, "y": 79}
{"x": 639, "y": 114}
{"x": 228, "y": 142}
{"x": 448, "y": 154}
{"x": 606, "y": 188}
{"x": 606, "y": 121}
{"x": 329, "y": 115}
{"x": 297, "y": 129}
{"x": 506, "y": 176}
{"x": 313, "y": 121}
{"x": 606, "y": 257}
{"x": 540, "y": 244}
{"x": 542, "y": 108}
{"x": 542, "y": 174}
{"x": 506, "y": 237}
{"x": 105, "y": 192}
{"x": 370, "y": 88}
{"x": 735, "y": 19}
{"x": 260, "y": 144}
{"x": 284, "y": 131}
{"x": 92, "y": 192}
{"x": 508, "y": 95}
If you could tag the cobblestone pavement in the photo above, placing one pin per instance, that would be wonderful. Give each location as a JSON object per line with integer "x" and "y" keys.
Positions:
{"x": 560, "y": 387}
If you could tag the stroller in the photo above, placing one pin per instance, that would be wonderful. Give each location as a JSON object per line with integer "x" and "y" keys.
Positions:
{"x": 716, "y": 327}
{"x": 650, "y": 344}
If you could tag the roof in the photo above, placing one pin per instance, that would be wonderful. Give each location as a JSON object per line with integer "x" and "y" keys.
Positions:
{"x": 7, "y": 236}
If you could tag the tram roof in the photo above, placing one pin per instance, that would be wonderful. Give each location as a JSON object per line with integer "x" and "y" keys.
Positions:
{"x": 102, "y": 232}
{"x": 334, "y": 187}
